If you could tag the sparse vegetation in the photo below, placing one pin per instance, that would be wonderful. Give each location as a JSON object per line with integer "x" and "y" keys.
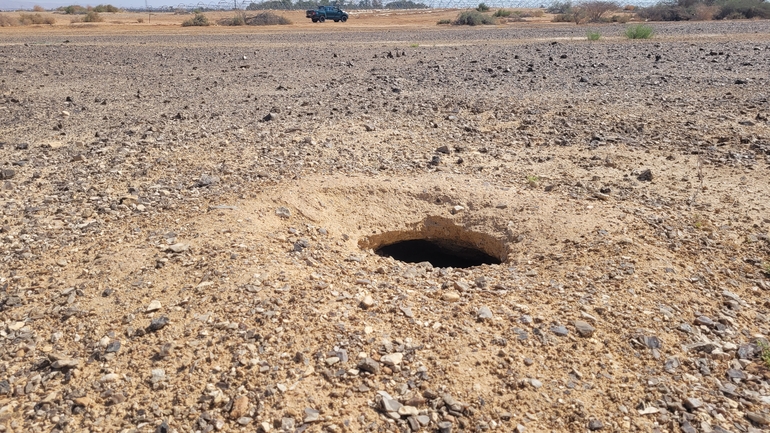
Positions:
{"x": 267, "y": 19}
{"x": 684, "y": 10}
{"x": 639, "y": 31}
{"x": 199, "y": 20}
{"x": 8, "y": 21}
{"x": 238, "y": 20}
{"x": 140, "y": 20}
{"x": 28, "y": 19}
{"x": 502, "y": 13}
{"x": 38, "y": 8}
{"x": 764, "y": 353}
{"x": 92, "y": 17}
{"x": 593, "y": 36}
{"x": 560, "y": 8}
{"x": 533, "y": 180}
{"x": 482, "y": 7}
{"x": 106, "y": 8}
{"x": 405, "y": 4}
{"x": 473, "y": 18}
{"x": 73, "y": 10}
{"x": 444, "y": 21}
{"x": 414, "y": 45}
{"x": 594, "y": 11}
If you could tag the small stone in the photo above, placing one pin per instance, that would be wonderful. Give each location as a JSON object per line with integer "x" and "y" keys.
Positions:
{"x": 692, "y": 403}
{"x": 408, "y": 411}
{"x": 65, "y": 363}
{"x": 759, "y": 418}
{"x": 703, "y": 320}
{"x": 584, "y": 329}
{"x": 392, "y": 359}
{"x": 7, "y": 173}
{"x": 443, "y": 149}
{"x": 240, "y": 407}
{"x": 287, "y": 424}
{"x": 369, "y": 127}
{"x": 158, "y": 323}
{"x": 445, "y": 427}
{"x": 108, "y": 378}
{"x": 178, "y": 247}
{"x": 457, "y": 209}
{"x": 270, "y": 117}
{"x": 283, "y": 212}
{"x": 83, "y": 401}
{"x": 163, "y": 428}
{"x": 264, "y": 427}
{"x": 154, "y": 306}
{"x": 560, "y": 330}
{"x": 535, "y": 383}
{"x": 645, "y": 176}
{"x": 390, "y": 405}
{"x": 369, "y": 365}
{"x": 450, "y": 296}
{"x": 595, "y": 424}
{"x": 311, "y": 415}
{"x": 423, "y": 420}
{"x": 484, "y": 313}
{"x": 113, "y": 347}
{"x": 367, "y": 302}
{"x": 244, "y": 420}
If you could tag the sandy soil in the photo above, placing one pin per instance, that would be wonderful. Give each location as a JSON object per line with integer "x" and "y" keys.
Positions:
{"x": 188, "y": 219}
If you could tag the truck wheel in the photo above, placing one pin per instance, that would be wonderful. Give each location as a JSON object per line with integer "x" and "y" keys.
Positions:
{"x": 336, "y": 21}
{"x": 344, "y": 18}
{"x": 321, "y": 19}
{"x": 314, "y": 20}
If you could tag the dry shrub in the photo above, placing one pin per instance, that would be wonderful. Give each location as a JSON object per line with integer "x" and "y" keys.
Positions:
{"x": 140, "y": 20}
{"x": 199, "y": 20}
{"x": 703, "y": 12}
{"x": 267, "y": 19}
{"x": 594, "y": 10}
{"x": 27, "y": 19}
{"x": 92, "y": 17}
{"x": 238, "y": 20}
{"x": 8, "y": 21}
{"x": 629, "y": 8}
{"x": 38, "y": 8}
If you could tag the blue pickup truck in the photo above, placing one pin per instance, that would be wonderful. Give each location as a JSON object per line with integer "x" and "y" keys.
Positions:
{"x": 324, "y": 13}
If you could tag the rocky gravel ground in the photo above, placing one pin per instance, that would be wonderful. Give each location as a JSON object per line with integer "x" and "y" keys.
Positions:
{"x": 188, "y": 225}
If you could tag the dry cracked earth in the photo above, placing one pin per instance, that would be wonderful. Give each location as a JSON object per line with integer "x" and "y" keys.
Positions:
{"x": 189, "y": 227}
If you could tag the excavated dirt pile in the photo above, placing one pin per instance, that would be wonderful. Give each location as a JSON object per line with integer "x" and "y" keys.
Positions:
{"x": 499, "y": 229}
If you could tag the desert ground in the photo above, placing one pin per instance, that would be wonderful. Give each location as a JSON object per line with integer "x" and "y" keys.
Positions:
{"x": 190, "y": 221}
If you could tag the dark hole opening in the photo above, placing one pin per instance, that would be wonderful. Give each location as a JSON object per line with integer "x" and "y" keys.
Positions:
{"x": 440, "y": 253}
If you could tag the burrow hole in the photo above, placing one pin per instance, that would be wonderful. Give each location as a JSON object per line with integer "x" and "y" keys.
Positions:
{"x": 441, "y": 243}
{"x": 441, "y": 253}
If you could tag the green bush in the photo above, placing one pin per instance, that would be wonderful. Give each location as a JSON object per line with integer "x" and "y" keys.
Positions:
{"x": 482, "y": 8}
{"x": 473, "y": 18}
{"x": 737, "y": 9}
{"x": 593, "y": 36}
{"x": 267, "y": 19}
{"x": 405, "y": 4}
{"x": 502, "y": 13}
{"x": 27, "y": 19}
{"x": 199, "y": 20}
{"x": 444, "y": 21}
{"x": 639, "y": 31}
{"x": 73, "y": 10}
{"x": 106, "y": 8}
